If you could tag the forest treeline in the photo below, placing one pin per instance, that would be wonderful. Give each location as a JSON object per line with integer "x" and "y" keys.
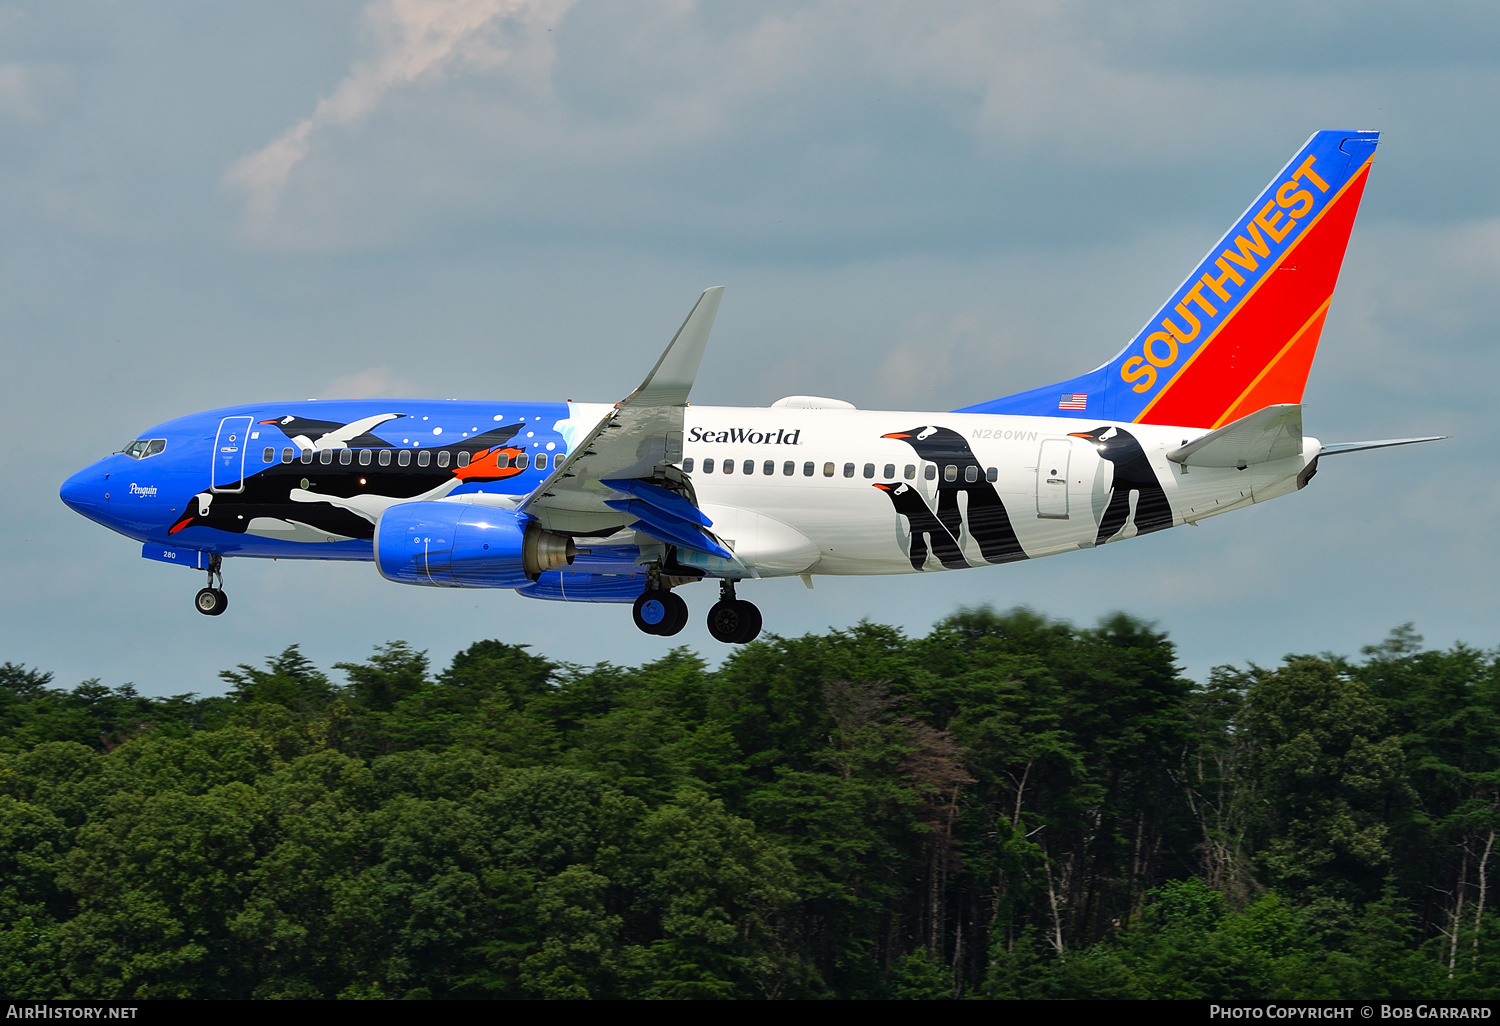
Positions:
{"x": 1010, "y": 806}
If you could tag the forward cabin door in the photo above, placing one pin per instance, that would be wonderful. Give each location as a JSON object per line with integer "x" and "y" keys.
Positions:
{"x": 1052, "y": 479}
{"x": 230, "y": 446}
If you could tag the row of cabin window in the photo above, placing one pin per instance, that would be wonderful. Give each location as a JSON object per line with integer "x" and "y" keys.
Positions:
{"x": 383, "y": 457}
{"x": 809, "y": 469}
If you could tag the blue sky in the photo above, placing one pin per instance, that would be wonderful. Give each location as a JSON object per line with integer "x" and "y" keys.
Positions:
{"x": 911, "y": 205}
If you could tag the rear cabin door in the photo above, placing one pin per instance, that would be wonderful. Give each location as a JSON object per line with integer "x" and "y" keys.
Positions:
{"x": 1052, "y": 479}
{"x": 230, "y": 446}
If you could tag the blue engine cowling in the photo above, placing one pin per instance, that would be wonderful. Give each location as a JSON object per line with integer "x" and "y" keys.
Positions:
{"x": 463, "y": 545}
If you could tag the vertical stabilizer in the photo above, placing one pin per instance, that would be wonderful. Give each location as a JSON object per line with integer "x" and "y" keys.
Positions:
{"x": 1240, "y": 333}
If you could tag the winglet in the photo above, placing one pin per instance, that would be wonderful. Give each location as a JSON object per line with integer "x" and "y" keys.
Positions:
{"x": 672, "y": 378}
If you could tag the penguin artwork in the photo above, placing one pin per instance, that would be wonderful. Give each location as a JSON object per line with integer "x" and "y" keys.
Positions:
{"x": 1132, "y": 473}
{"x": 989, "y": 524}
{"x": 925, "y": 528}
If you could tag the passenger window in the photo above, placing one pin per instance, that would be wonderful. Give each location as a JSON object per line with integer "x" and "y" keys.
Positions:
{"x": 708, "y": 465}
{"x": 287, "y": 454}
{"x": 365, "y": 455}
{"x": 848, "y": 470}
{"x": 929, "y": 471}
{"x": 950, "y": 473}
{"x": 444, "y": 457}
{"x": 749, "y": 467}
{"x": 307, "y": 455}
{"x": 385, "y": 458}
{"x": 687, "y": 465}
{"x": 993, "y": 474}
{"x": 869, "y": 470}
{"x": 768, "y": 468}
{"x": 807, "y": 470}
{"x": 971, "y": 474}
{"x": 522, "y": 461}
{"x": 788, "y": 468}
{"x": 346, "y": 457}
{"x": 910, "y": 473}
{"x": 890, "y": 472}
{"x": 728, "y": 466}
{"x": 403, "y": 458}
{"x": 269, "y": 456}
{"x": 325, "y": 457}
{"x": 423, "y": 458}
{"x": 828, "y": 470}
{"x": 463, "y": 459}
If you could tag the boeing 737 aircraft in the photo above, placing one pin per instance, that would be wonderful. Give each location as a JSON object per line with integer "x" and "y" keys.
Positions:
{"x": 630, "y": 502}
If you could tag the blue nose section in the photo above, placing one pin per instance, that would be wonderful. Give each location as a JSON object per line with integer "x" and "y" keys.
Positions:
{"x": 84, "y": 492}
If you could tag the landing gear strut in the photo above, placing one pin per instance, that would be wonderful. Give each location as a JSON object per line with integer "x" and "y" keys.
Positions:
{"x": 212, "y": 601}
{"x": 731, "y": 620}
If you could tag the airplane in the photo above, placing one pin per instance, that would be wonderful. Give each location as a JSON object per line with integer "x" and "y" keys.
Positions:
{"x": 630, "y": 502}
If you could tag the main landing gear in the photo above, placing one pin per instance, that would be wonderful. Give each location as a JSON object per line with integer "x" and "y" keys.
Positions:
{"x": 212, "y": 601}
{"x": 731, "y": 620}
{"x": 660, "y": 612}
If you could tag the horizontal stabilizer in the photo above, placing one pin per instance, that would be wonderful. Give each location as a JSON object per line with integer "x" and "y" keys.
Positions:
{"x": 1273, "y": 433}
{"x": 1341, "y": 447}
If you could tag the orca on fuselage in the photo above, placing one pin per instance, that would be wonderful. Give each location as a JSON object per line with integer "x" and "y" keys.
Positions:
{"x": 345, "y": 499}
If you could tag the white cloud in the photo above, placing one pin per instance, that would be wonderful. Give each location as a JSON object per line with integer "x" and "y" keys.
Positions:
{"x": 370, "y": 383}
{"x": 409, "y": 40}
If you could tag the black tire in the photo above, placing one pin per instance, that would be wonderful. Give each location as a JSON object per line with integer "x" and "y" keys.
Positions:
{"x": 726, "y": 621}
{"x": 677, "y": 615}
{"x": 210, "y": 601}
{"x": 750, "y": 622}
{"x": 651, "y": 611}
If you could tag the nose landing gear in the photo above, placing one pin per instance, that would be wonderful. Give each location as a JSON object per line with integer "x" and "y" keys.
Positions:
{"x": 731, "y": 620}
{"x": 211, "y": 601}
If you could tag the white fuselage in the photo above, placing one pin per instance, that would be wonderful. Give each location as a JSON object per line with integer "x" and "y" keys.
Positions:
{"x": 782, "y": 519}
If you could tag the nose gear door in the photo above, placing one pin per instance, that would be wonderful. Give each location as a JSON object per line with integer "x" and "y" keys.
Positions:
{"x": 230, "y": 446}
{"x": 1052, "y": 479}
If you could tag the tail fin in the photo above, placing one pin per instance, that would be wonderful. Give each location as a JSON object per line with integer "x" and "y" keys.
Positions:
{"x": 1240, "y": 333}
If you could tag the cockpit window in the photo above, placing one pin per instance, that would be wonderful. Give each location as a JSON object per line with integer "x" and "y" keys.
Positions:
{"x": 143, "y": 447}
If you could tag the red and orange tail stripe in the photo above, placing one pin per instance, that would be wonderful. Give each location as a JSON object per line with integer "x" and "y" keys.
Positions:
{"x": 1261, "y": 353}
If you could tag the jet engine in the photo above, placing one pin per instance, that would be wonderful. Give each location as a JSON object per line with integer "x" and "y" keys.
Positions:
{"x": 463, "y": 545}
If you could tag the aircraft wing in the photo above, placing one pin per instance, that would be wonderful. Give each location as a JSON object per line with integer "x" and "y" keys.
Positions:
{"x": 640, "y": 439}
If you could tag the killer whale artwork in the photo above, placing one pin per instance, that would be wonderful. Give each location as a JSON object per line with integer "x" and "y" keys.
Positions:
{"x": 988, "y": 522}
{"x": 342, "y": 498}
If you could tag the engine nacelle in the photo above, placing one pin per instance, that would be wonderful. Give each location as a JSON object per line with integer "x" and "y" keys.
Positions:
{"x": 463, "y": 545}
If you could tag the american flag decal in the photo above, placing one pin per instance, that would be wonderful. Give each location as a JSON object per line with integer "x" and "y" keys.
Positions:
{"x": 1074, "y": 401}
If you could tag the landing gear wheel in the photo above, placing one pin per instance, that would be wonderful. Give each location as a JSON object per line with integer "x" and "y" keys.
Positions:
{"x": 653, "y": 611}
{"x": 677, "y": 615}
{"x": 734, "y": 621}
{"x": 211, "y": 601}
